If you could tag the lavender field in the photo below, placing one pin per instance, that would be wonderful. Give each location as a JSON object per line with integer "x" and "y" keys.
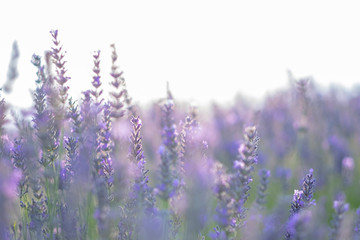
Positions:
{"x": 103, "y": 167}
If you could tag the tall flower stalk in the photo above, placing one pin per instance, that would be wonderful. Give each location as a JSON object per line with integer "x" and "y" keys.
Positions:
{"x": 44, "y": 120}
{"x": 96, "y": 93}
{"x": 302, "y": 199}
{"x": 340, "y": 208}
{"x": 243, "y": 171}
{"x": 119, "y": 80}
{"x": 168, "y": 152}
{"x": 142, "y": 192}
{"x": 107, "y": 170}
{"x": 263, "y": 186}
{"x": 117, "y": 102}
{"x": 58, "y": 59}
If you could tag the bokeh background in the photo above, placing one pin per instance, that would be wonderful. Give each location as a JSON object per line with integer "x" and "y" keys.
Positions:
{"x": 206, "y": 50}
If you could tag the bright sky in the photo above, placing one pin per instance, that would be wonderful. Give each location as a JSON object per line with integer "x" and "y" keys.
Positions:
{"x": 204, "y": 49}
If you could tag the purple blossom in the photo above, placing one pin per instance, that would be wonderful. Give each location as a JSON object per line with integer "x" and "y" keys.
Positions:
{"x": 244, "y": 167}
{"x": 357, "y": 225}
{"x": 297, "y": 202}
{"x": 143, "y": 193}
{"x": 264, "y": 182}
{"x": 168, "y": 151}
{"x": 340, "y": 208}
{"x": 12, "y": 73}
{"x": 96, "y": 83}
{"x": 58, "y": 59}
{"x": 44, "y": 120}
{"x": 118, "y": 94}
{"x": 307, "y": 188}
{"x": 105, "y": 148}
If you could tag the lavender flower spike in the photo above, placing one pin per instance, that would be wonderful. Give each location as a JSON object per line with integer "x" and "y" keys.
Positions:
{"x": 307, "y": 188}
{"x": 297, "y": 202}
{"x": 296, "y": 205}
{"x": 44, "y": 120}
{"x": 244, "y": 167}
{"x": 12, "y": 73}
{"x": 143, "y": 194}
{"x": 96, "y": 93}
{"x": 118, "y": 93}
{"x": 264, "y": 182}
{"x": 357, "y": 225}
{"x": 105, "y": 149}
{"x": 169, "y": 152}
{"x": 340, "y": 208}
{"x": 58, "y": 59}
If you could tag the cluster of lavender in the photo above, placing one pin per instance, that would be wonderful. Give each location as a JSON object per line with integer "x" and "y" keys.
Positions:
{"x": 99, "y": 168}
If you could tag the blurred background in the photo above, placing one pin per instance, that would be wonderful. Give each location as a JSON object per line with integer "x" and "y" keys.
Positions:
{"x": 206, "y": 50}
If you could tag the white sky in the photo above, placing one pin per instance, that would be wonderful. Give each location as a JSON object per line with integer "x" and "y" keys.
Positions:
{"x": 205, "y": 49}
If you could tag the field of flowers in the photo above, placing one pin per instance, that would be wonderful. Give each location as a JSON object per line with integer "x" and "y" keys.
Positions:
{"x": 98, "y": 168}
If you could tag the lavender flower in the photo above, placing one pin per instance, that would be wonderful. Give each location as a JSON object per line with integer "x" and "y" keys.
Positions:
{"x": 37, "y": 211}
{"x": 58, "y": 60}
{"x": 127, "y": 99}
{"x": 224, "y": 212}
{"x": 169, "y": 153}
{"x": 307, "y": 188}
{"x": 44, "y": 120}
{"x": 141, "y": 202}
{"x": 340, "y": 208}
{"x": 297, "y": 202}
{"x": 244, "y": 167}
{"x": 166, "y": 186}
{"x": 36, "y": 207}
{"x": 302, "y": 198}
{"x": 169, "y": 133}
{"x": 357, "y": 225}
{"x": 296, "y": 205}
{"x": 264, "y": 182}
{"x": 75, "y": 117}
{"x": 96, "y": 93}
{"x": 87, "y": 113}
{"x": 71, "y": 146}
{"x": 183, "y": 151}
{"x": 118, "y": 93}
{"x": 105, "y": 149}
{"x": 12, "y": 73}
{"x": 19, "y": 160}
